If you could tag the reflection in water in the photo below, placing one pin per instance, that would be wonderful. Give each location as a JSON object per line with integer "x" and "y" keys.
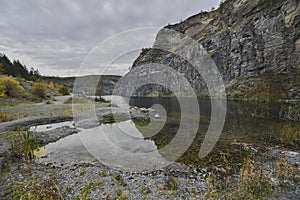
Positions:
{"x": 50, "y": 127}
{"x": 122, "y": 145}
{"x": 119, "y": 144}
{"x": 245, "y": 123}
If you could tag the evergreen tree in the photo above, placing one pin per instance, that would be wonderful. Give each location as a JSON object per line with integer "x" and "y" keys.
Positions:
{"x": 17, "y": 69}
{"x": 7, "y": 65}
{"x": 2, "y": 71}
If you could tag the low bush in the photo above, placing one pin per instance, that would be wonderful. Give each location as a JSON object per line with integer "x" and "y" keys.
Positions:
{"x": 51, "y": 85}
{"x": 101, "y": 100}
{"x": 2, "y": 90}
{"x": 64, "y": 90}
{"x": 289, "y": 134}
{"x": 211, "y": 53}
{"x": 174, "y": 49}
{"x": 49, "y": 102}
{"x": 10, "y": 87}
{"x": 4, "y": 117}
{"x": 40, "y": 89}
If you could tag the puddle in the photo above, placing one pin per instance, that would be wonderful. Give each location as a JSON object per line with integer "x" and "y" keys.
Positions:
{"x": 116, "y": 145}
{"x": 68, "y": 150}
{"x": 49, "y": 127}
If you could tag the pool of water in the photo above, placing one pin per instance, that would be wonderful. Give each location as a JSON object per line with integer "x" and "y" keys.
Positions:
{"x": 134, "y": 145}
{"x": 49, "y": 127}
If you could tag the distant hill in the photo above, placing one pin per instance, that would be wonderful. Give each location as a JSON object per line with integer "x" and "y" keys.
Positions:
{"x": 16, "y": 69}
{"x": 105, "y": 83}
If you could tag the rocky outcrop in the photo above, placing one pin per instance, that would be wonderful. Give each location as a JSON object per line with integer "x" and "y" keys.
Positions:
{"x": 254, "y": 43}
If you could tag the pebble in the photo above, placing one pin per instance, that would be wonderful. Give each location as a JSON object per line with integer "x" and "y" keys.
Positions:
{"x": 151, "y": 110}
{"x": 275, "y": 181}
{"x": 156, "y": 116}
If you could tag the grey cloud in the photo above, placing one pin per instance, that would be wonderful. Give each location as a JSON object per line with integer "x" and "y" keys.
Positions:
{"x": 55, "y": 36}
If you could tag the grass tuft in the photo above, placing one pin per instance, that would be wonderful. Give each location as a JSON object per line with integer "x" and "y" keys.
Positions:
{"x": 43, "y": 189}
{"x": 289, "y": 134}
{"x": 23, "y": 144}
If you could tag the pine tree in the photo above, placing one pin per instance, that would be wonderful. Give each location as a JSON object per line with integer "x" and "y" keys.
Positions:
{"x": 17, "y": 69}
{"x": 2, "y": 70}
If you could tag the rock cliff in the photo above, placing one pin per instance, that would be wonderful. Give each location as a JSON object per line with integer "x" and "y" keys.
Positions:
{"x": 255, "y": 45}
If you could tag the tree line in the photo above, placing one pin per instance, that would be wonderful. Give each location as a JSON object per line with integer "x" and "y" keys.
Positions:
{"x": 17, "y": 69}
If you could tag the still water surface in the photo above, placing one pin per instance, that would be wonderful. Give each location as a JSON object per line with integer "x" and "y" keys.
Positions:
{"x": 248, "y": 123}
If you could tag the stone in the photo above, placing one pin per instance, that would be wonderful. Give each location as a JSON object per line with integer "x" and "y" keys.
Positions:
{"x": 156, "y": 116}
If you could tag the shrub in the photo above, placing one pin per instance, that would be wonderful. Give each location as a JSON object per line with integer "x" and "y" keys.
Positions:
{"x": 291, "y": 112}
{"x": 211, "y": 53}
{"x": 289, "y": 134}
{"x": 122, "y": 196}
{"x": 174, "y": 49}
{"x": 145, "y": 51}
{"x": 69, "y": 101}
{"x": 49, "y": 102}
{"x": 2, "y": 90}
{"x": 259, "y": 91}
{"x": 64, "y": 90}
{"x": 51, "y": 85}
{"x": 10, "y": 87}
{"x": 101, "y": 100}
{"x": 40, "y": 89}
{"x": 117, "y": 177}
{"x": 4, "y": 117}
{"x": 170, "y": 184}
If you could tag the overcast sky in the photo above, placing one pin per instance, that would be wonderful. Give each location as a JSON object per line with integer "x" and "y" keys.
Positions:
{"x": 56, "y": 36}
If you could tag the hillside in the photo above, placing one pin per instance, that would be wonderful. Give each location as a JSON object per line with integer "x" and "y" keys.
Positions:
{"x": 254, "y": 43}
{"x": 26, "y": 78}
{"x": 105, "y": 83}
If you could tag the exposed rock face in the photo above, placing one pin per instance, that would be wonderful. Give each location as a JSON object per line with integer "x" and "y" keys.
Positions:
{"x": 254, "y": 43}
